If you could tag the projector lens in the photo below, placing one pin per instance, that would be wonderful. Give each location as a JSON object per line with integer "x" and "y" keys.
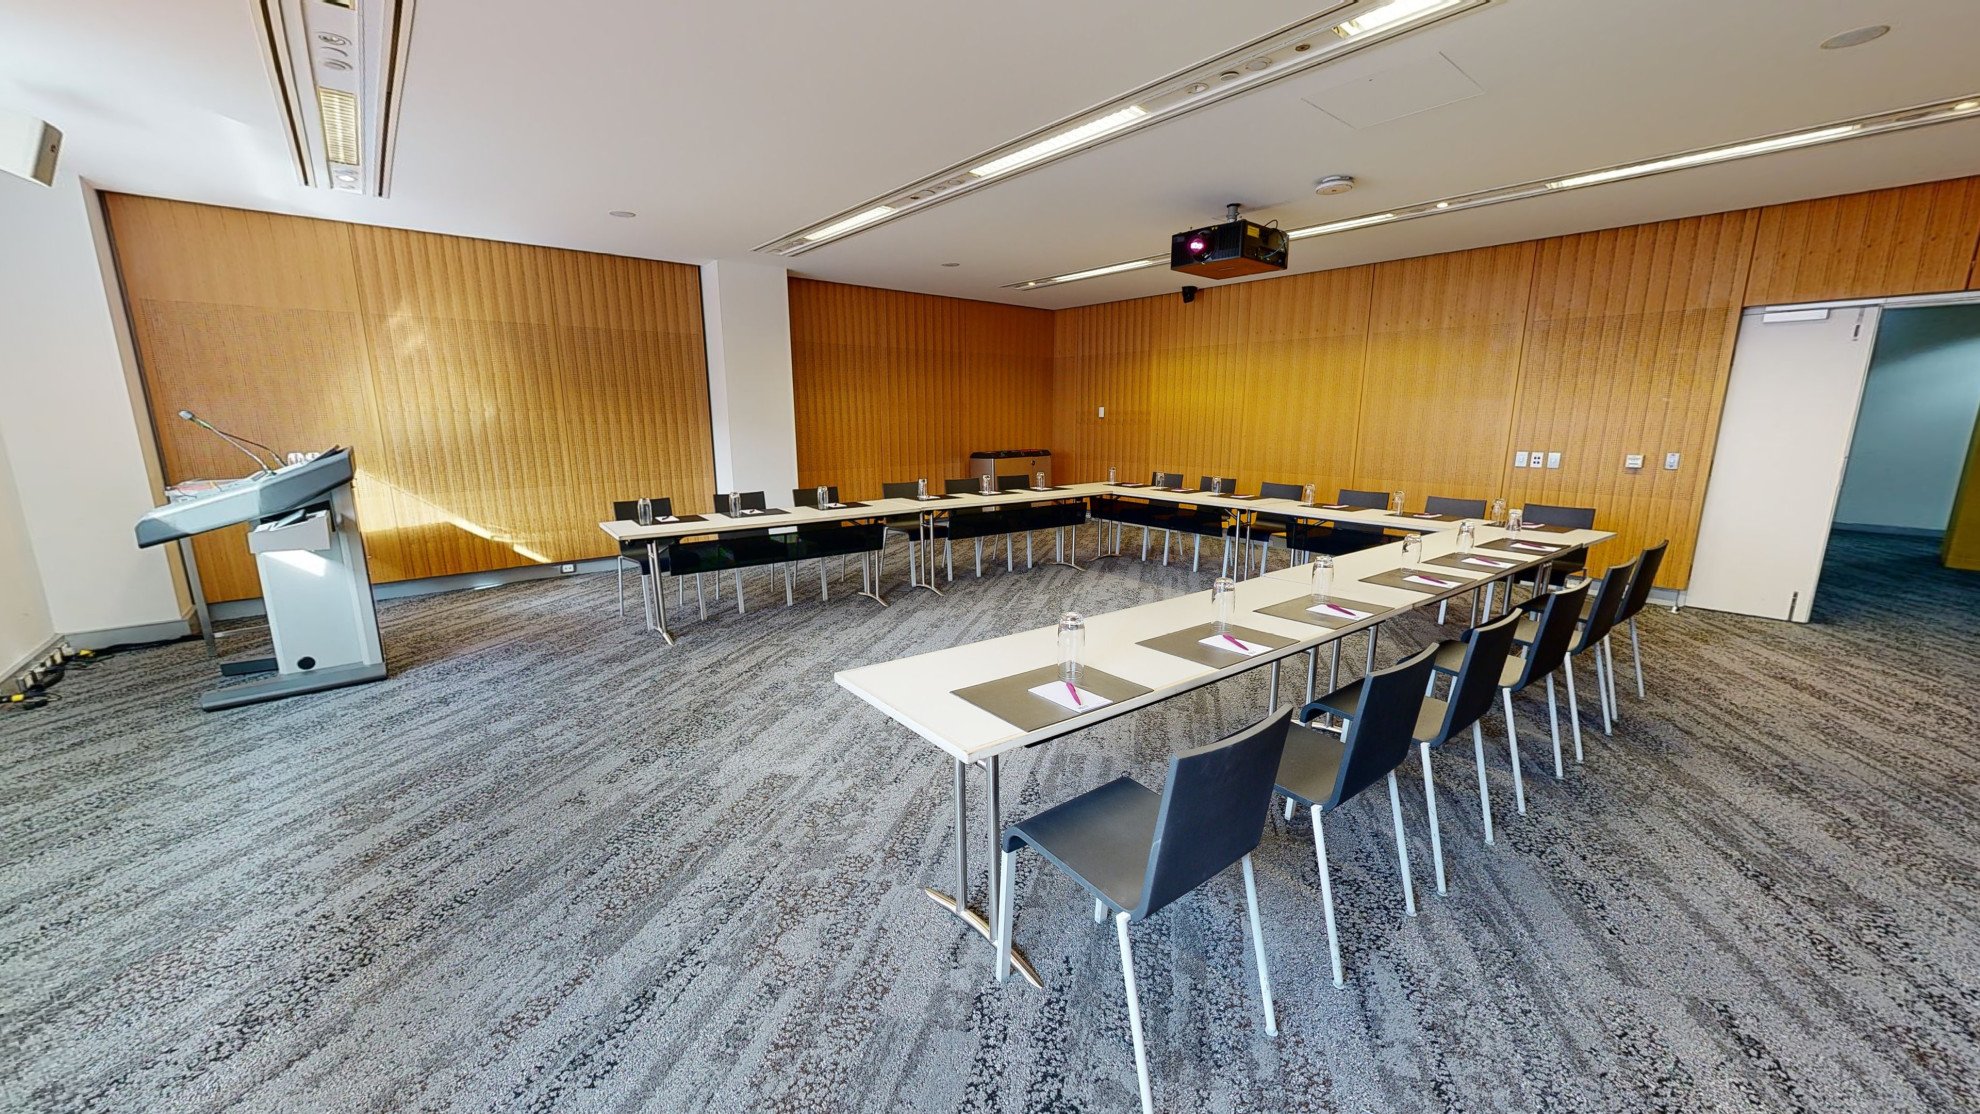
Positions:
{"x": 1197, "y": 245}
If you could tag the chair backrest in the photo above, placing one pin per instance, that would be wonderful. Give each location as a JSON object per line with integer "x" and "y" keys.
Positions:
{"x": 1463, "y": 508}
{"x": 1644, "y": 580}
{"x": 1013, "y": 483}
{"x": 1281, "y": 491}
{"x": 1572, "y": 518}
{"x": 627, "y": 510}
{"x": 907, "y": 490}
{"x": 1166, "y": 479}
{"x": 1379, "y": 736}
{"x": 1476, "y": 685}
{"x": 751, "y": 501}
{"x": 1371, "y": 500}
{"x": 1228, "y": 484}
{"x": 969, "y": 486}
{"x": 1213, "y": 810}
{"x": 1554, "y": 632}
{"x": 808, "y": 496}
{"x": 1608, "y": 604}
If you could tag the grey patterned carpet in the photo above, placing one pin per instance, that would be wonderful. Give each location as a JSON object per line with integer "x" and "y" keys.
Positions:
{"x": 555, "y": 865}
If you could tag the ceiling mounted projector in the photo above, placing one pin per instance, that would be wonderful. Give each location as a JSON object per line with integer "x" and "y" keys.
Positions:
{"x": 28, "y": 147}
{"x": 1333, "y": 184}
{"x": 1235, "y": 247}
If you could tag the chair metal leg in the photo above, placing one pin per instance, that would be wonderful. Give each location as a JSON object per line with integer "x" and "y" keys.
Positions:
{"x": 1258, "y": 949}
{"x": 1554, "y": 725}
{"x": 979, "y": 558}
{"x": 1005, "y": 917}
{"x": 1574, "y": 705}
{"x": 1484, "y": 792}
{"x": 1134, "y": 1013}
{"x": 1512, "y": 745}
{"x": 824, "y": 591}
{"x": 622, "y": 589}
{"x": 1636, "y": 656}
{"x": 700, "y": 598}
{"x": 1099, "y": 911}
{"x": 1602, "y": 686}
{"x": 1402, "y": 848}
{"x": 1430, "y": 804}
{"x": 949, "y": 555}
{"x": 739, "y": 592}
{"x": 1327, "y": 888}
{"x": 1196, "y": 556}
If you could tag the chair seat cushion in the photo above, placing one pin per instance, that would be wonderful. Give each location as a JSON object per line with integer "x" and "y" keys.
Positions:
{"x": 1450, "y": 658}
{"x": 1101, "y": 837}
{"x": 1344, "y": 702}
{"x": 1310, "y": 766}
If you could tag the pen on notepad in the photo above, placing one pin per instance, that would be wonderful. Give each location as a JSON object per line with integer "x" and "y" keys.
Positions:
{"x": 1074, "y": 693}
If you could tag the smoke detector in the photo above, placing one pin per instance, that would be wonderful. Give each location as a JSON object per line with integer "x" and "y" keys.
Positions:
{"x": 1333, "y": 184}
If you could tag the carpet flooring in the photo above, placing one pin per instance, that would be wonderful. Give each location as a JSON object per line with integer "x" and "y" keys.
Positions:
{"x": 553, "y": 864}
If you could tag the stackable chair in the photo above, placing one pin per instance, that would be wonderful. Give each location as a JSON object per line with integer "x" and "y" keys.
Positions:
{"x": 1014, "y": 483}
{"x": 1551, "y": 632}
{"x": 752, "y": 549}
{"x": 1569, "y": 518}
{"x": 1207, "y": 522}
{"x": 1136, "y": 851}
{"x": 1590, "y": 634}
{"x": 1461, "y": 508}
{"x": 1351, "y": 537}
{"x": 1639, "y": 594}
{"x": 821, "y": 540}
{"x": 634, "y": 553}
{"x": 1323, "y": 771}
{"x": 904, "y": 525}
{"x": 1482, "y": 660}
{"x": 1155, "y": 515}
{"x": 1265, "y": 527}
{"x": 808, "y": 496}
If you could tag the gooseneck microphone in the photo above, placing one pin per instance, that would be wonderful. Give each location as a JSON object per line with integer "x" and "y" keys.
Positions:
{"x": 260, "y": 466}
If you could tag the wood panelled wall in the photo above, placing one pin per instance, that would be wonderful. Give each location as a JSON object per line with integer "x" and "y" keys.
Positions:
{"x": 893, "y": 387}
{"x": 498, "y": 396}
{"x": 1425, "y": 375}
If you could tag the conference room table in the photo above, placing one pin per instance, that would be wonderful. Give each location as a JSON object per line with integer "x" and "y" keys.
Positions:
{"x": 921, "y": 693}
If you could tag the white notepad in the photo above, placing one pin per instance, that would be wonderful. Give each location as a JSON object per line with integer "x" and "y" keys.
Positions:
{"x": 1234, "y": 644}
{"x": 1339, "y": 612}
{"x": 1534, "y": 546}
{"x": 1060, "y": 693}
{"x": 1432, "y": 581}
{"x": 1488, "y": 562}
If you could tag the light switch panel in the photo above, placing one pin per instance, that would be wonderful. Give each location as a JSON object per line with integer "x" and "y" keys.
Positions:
{"x": 1633, "y": 461}
{"x": 1553, "y": 460}
{"x": 1670, "y": 462}
{"x": 1519, "y": 460}
{"x": 1103, "y": 411}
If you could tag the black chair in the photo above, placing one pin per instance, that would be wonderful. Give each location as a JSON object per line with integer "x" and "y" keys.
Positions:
{"x": 808, "y": 496}
{"x": 1204, "y": 522}
{"x": 1323, "y": 771}
{"x": 1352, "y": 537}
{"x": 1461, "y": 508}
{"x": 1593, "y": 629}
{"x": 1483, "y": 652}
{"x": 634, "y": 553}
{"x": 1154, "y": 515}
{"x": 1266, "y": 526}
{"x": 1570, "y": 564}
{"x": 1136, "y": 851}
{"x": 970, "y": 486}
{"x": 750, "y": 549}
{"x": 905, "y": 525}
{"x": 1639, "y": 594}
{"x": 819, "y": 541}
{"x": 1556, "y": 618}
{"x": 751, "y": 501}
{"x": 1013, "y": 483}
{"x": 1166, "y": 479}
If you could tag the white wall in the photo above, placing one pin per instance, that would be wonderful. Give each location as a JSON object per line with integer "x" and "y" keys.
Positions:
{"x": 1916, "y": 420}
{"x": 24, "y": 624}
{"x": 746, "y": 313}
{"x": 69, "y": 425}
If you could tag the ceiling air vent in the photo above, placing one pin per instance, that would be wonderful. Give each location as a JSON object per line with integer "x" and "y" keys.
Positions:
{"x": 338, "y": 67}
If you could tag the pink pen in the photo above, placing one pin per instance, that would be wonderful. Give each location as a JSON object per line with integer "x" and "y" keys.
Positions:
{"x": 1074, "y": 693}
{"x": 1234, "y": 642}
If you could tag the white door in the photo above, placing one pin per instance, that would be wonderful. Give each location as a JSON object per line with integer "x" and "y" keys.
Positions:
{"x": 1783, "y": 444}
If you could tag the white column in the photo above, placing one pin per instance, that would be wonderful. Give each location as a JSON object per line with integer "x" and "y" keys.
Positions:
{"x": 24, "y": 624}
{"x": 746, "y": 314}
{"x": 70, "y": 426}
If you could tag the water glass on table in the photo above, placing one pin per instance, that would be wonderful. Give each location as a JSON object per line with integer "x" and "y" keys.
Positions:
{"x": 1223, "y": 603}
{"x": 1038, "y": 481}
{"x": 1498, "y": 513}
{"x": 735, "y": 505}
{"x": 645, "y": 511}
{"x": 1323, "y": 578}
{"x": 1072, "y": 646}
{"x": 824, "y": 498}
{"x": 1467, "y": 533}
{"x": 1111, "y": 474}
{"x": 921, "y": 488}
{"x": 1412, "y": 549}
{"x": 1306, "y": 494}
{"x": 985, "y": 485}
{"x": 1514, "y": 520}
{"x": 1395, "y": 502}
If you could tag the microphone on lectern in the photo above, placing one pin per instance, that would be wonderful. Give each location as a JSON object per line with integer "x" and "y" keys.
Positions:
{"x": 260, "y": 466}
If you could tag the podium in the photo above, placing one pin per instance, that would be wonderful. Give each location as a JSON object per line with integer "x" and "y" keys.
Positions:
{"x": 315, "y": 585}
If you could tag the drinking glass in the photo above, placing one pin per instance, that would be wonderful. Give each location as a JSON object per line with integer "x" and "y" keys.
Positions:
{"x": 1323, "y": 578}
{"x": 1514, "y": 520}
{"x": 1412, "y": 549}
{"x": 1498, "y": 512}
{"x": 1223, "y": 603}
{"x": 1072, "y": 645}
{"x": 1307, "y": 495}
{"x": 735, "y": 504}
{"x": 1038, "y": 480}
{"x": 1395, "y": 502}
{"x": 986, "y": 486}
{"x": 921, "y": 488}
{"x": 824, "y": 497}
{"x": 1216, "y": 485}
{"x": 1111, "y": 473}
{"x": 645, "y": 511}
{"x": 1467, "y": 534}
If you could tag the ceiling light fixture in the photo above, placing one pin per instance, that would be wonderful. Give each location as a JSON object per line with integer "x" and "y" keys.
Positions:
{"x": 338, "y": 68}
{"x": 1881, "y": 124}
{"x": 1343, "y": 28}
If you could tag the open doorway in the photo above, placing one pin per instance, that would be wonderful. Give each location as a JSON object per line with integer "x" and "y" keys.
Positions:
{"x": 1915, "y": 424}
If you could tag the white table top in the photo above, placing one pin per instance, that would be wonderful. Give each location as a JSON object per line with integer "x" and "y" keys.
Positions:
{"x": 918, "y": 691}
{"x": 715, "y": 523}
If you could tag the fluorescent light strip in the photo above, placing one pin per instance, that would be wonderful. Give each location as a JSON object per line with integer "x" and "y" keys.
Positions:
{"x": 1901, "y": 120}
{"x": 1340, "y": 29}
{"x": 1085, "y": 133}
{"x": 857, "y": 220}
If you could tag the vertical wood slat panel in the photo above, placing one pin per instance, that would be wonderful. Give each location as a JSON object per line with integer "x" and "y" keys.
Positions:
{"x": 1911, "y": 240}
{"x": 498, "y": 396}
{"x": 892, "y": 386}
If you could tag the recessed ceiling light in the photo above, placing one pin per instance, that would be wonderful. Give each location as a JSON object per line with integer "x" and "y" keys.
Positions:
{"x": 1257, "y": 64}
{"x": 622, "y": 213}
{"x": 1229, "y": 75}
{"x": 1856, "y": 38}
{"x": 333, "y": 40}
{"x": 1073, "y": 137}
{"x": 1196, "y": 87}
{"x": 1303, "y": 47}
{"x": 1883, "y": 123}
{"x": 1391, "y": 13}
{"x": 847, "y": 225}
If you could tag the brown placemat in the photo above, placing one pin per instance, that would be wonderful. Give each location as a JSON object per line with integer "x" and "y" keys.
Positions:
{"x": 764, "y": 513}
{"x": 1184, "y": 644}
{"x": 1506, "y": 544}
{"x": 1010, "y": 700}
{"x": 1296, "y": 610}
{"x": 658, "y": 521}
{"x": 1546, "y": 529}
{"x": 1126, "y": 485}
{"x": 1456, "y": 561}
{"x": 1418, "y": 516}
{"x": 841, "y": 506}
{"x": 1394, "y": 579}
